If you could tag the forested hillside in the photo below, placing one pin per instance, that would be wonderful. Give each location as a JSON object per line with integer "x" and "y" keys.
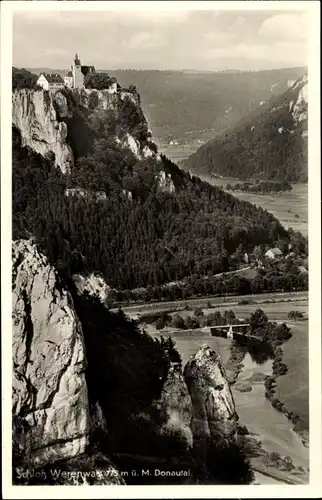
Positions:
{"x": 151, "y": 237}
{"x": 270, "y": 143}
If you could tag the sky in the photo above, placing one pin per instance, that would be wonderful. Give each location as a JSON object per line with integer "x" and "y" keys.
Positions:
{"x": 202, "y": 40}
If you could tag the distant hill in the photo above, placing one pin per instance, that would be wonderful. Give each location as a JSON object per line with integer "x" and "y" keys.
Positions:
{"x": 270, "y": 143}
{"x": 190, "y": 105}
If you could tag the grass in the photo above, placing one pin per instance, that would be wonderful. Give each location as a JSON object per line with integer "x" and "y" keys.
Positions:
{"x": 275, "y": 311}
{"x": 293, "y": 387}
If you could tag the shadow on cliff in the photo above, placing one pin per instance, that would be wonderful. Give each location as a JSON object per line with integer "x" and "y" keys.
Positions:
{"x": 125, "y": 375}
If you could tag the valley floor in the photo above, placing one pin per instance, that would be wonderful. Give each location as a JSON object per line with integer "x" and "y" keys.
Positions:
{"x": 266, "y": 424}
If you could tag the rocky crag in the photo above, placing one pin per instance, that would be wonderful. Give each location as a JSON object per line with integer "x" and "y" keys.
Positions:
{"x": 50, "y": 408}
{"x": 175, "y": 400}
{"x": 45, "y": 119}
{"x": 213, "y": 407}
{"x": 36, "y": 115}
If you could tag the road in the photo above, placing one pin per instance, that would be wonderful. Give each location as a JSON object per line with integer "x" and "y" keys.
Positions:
{"x": 134, "y": 310}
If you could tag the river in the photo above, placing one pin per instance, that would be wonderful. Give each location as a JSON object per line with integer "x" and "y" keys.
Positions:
{"x": 268, "y": 425}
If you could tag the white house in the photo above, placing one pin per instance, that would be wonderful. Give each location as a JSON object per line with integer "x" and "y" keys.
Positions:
{"x": 274, "y": 253}
{"x": 50, "y": 81}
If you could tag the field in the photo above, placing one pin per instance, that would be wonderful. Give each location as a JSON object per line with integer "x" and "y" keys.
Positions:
{"x": 293, "y": 388}
{"x": 284, "y": 206}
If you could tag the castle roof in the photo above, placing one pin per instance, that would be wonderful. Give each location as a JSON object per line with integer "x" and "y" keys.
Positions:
{"x": 87, "y": 69}
{"x": 53, "y": 78}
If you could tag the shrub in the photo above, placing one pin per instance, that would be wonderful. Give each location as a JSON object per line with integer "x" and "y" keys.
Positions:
{"x": 177, "y": 321}
{"x": 227, "y": 463}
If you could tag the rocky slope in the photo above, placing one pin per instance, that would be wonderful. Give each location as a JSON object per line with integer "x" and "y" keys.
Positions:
{"x": 213, "y": 407}
{"x": 52, "y": 421}
{"x": 35, "y": 115}
{"x": 47, "y": 121}
{"x": 49, "y": 386}
{"x": 269, "y": 144}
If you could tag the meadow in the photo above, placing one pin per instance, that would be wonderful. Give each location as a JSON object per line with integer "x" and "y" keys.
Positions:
{"x": 290, "y": 208}
{"x": 293, "y": 387}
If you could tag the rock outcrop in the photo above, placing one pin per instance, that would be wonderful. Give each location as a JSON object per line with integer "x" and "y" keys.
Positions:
{"x": 37, "y": 115}
{"x": 213, "y": 407}
{"x": 44, "y": 117}
{"x": 93, "y": 284}
{"x": 165, "y": 182}
{"x": 300, "y": 107}
{"x": 49, "y": 387}
{"x": 86, "y": 193}
{"x": 176, "y": 403}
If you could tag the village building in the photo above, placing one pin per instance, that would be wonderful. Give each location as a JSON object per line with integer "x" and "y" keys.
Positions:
{"x": 274, "y": 253}
{"x": 50, "y": 81}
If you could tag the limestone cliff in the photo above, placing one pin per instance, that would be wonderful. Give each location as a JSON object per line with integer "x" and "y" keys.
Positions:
{"x": 49, "y": 387}
{"x": 45, "y": 120}
{"x": 213, "y": 407}
{"x": 176, "y": 403}
{"x": 34, "y": 114}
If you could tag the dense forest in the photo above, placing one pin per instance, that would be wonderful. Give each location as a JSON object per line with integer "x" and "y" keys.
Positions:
{"x": 153, "y": 238}
{"x": 267, "y": 144}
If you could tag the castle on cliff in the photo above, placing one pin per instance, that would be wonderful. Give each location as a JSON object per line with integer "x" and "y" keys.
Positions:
{"x": 76, "y": 76}
{"x": 73, "y": 80}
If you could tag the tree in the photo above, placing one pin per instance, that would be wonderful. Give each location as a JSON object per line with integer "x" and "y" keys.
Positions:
{"x": 23, "y": 79}
{"x": 295, "y": 315}
{"x": 227, "y": 463}
{"x": 258, "y": 320}
{"x": 99, "y": 81}
{"x": 177, "y": 321}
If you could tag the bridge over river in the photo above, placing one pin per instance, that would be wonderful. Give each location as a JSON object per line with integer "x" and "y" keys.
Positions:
{"x": 234, "y": 331}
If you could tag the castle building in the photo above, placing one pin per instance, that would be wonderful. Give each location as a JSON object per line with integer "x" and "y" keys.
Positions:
{"x": 50, "y": 81}
{"x": 76, "y": 76}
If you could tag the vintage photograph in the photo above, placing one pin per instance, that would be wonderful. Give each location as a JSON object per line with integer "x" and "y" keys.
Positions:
{"x": 160, "y": 246}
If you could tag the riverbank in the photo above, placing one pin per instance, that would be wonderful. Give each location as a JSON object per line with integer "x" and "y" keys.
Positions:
{"x": 270, "y": 393}
{"x": 280, "y": 456}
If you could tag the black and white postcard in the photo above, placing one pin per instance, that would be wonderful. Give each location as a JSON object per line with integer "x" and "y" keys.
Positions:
{"x": 161, "y": 262}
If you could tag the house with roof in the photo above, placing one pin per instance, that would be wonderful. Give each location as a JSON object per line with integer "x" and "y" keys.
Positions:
{"x": 274, "y": 253}
{"x": 50, "y": 81}
{"x": 302, "y": 270}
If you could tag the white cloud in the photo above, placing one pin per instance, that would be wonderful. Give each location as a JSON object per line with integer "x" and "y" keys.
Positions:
{"x": 129, "y": 18}
{"x": 145, "y": 40}
{"x": 218, "y": 36}
{"x": 285, "y": 27}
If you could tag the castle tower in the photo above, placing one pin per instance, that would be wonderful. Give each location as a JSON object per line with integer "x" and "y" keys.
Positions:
{"x": 78, "y": 77}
